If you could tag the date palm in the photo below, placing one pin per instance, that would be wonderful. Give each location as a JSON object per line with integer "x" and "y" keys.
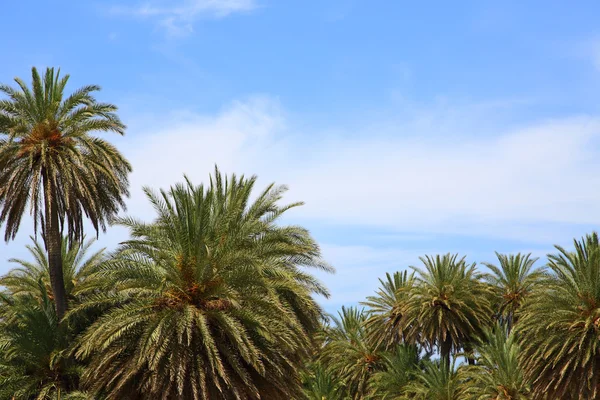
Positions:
{"x": 498, "y": 374}
{"x": 512, "y": 281}
{"x": 53, "y": 165}
{"x": 211, "y": 299}
{"x": 447, "y": 306}
{"x": 349, "y": 354}
{"x": 559, "y": 326}
{"x": 387, "y": 308}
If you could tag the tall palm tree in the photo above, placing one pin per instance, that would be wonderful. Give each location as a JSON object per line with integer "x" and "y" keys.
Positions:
{"x": 78, "y": 269}
{"x": 386, "y": 309}
{"x": 448, "y": 305}
{"x": 513, "y": 280}
{"x": 52, "y": 164}
{"x": 349, "y": 354}
{"x": 559, "y": 325}
{"x": 498, "y": 374}
{"x": 211, "y": 299}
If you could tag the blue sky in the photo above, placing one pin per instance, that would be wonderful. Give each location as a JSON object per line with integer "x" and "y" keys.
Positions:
{"x": 409, "y": 128}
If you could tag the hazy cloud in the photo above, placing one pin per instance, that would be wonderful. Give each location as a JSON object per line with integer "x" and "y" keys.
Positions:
{"x": 178, "y": 17}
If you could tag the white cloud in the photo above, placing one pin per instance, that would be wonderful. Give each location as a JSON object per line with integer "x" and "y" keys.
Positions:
{"x": 511, "y": 184}
{"x": 178, "y": 17}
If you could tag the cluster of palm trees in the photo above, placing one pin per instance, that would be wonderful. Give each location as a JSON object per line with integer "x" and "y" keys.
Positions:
{"x": 212, "y": 298}
{"x": 448, "y": 332}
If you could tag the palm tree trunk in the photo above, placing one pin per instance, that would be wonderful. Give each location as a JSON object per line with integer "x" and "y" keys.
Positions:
{"x": 53, "y": 241}
{"x": 469, "y": 353}
{"x": 445, "y": 349}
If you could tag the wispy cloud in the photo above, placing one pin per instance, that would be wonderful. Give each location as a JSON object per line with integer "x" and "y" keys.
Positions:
{"x": 433, "y": 173}
{"x": 513, "y": 184}
{"x": 178, "y": 17}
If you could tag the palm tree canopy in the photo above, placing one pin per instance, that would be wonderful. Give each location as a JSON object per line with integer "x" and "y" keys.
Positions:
{"x": 399, "y": 367}
{"x": 513, "y": 280}
{"x": 321, "y": 384}
{"x": 211, "y": 298}
{"x": 437, "y": 381}
{"x": 349, "y": 354}
{"x": 448, "y": 305}
{"x": 48, "y": 148}
{"x": 560, "y": 325}
{"x": 498, "y": 373}
{"x": 387, "y": 308}
{"x": 34, "y": 361}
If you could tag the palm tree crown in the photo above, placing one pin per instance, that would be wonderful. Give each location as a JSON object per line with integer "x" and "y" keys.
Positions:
{"x": 51, "y": 163}
{"x": 211, "y": 301}
{"x": 498, "y": 373}
{"x": 349, "y": 354}
{"x": 513, "y": 280}
{"x": 448, "y": 305}
{"x": 386, "y": 310}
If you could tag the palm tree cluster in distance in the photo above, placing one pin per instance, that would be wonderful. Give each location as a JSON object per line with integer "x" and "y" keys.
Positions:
{"x": 213, "y": 298}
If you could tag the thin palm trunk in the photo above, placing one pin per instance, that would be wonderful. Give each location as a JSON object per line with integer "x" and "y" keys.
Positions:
{"x": 53, "y": 240}
{"x": 469, "y": 351}
{"x": 445, "y": 349}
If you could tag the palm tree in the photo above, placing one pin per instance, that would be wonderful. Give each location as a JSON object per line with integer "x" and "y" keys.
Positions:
{"x": 34, "y": 357}
{"x": 78, "y": 270}
{"x": 51, "y": 164}
{"x": 399, "y": 367}
{"x": 437, "y": 381}
{"x": 498, "y": 374}
{"x": 513, "y": 280}
{"x": 386, "y": 310}
{"x": 321, "y": 384}
{"x": 349, "y": 355}
{"x": 559, "y": 326}
{"x": 448, "y": 305}
{"x": 211, "y": 300}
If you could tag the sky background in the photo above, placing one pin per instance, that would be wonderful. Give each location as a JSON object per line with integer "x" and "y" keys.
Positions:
{"x": 408, "y": 128}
